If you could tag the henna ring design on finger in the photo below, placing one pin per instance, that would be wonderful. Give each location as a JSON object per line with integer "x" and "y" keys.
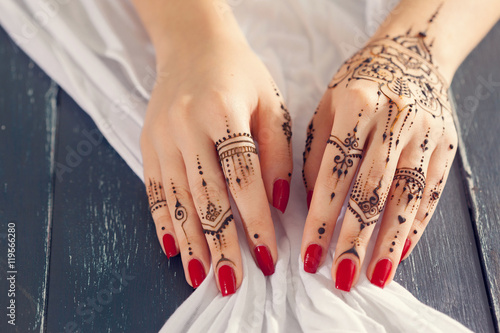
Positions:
{"x": 156, "y": 195}
{"x": 235, "y": 155}
{"x": 348, "y": 152}
{"x": 412, "y": 182}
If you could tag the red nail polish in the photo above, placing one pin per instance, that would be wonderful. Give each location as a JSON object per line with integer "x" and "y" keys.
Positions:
{"x": 281, "y": 192}
{"x": 309, "y": 198}
{"x": 196, "y": 272}
{"x": 264, "y": 259}
{"x": 169, "y": 245}
{"x": 406, "y": 247}
{"x": 381, "y": 272}
{"x": 312, "y": 258}
{"x": 227, "y": 280}
{"x": 345, "y": 274}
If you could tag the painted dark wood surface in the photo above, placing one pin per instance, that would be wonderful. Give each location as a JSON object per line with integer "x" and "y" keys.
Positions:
{"x": 92, "y": 224}
{"x": 27, "y": 144}
{"x": 477, "y": 93}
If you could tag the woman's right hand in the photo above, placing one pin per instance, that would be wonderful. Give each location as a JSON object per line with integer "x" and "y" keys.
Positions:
{"x": 212, "y": 97}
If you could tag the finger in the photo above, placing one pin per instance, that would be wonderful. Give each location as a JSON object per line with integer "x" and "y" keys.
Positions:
{"x": 157, "y": 201}
{"x": 402, "y": 206}
{"x": 366, "y": 202}
{"x": 318, "y": 132}
{"x": 439, "y": 168}
{"x": 214, "y": 210}
{"x": 240, "y": 164}
{"x": 273, "y": 132}
{"x": 189, "y": 232}
{"x": 340, "y": 160}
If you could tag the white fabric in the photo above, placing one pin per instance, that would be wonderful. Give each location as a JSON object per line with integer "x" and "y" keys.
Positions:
{"x": 98, "y": 52}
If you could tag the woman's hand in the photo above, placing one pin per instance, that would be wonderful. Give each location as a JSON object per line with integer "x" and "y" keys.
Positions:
{"x": 385, "y": 127}
{"x": 212, "y": 99}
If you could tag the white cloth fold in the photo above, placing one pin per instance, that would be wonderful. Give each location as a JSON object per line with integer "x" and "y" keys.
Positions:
{"x": 99, "y": 53}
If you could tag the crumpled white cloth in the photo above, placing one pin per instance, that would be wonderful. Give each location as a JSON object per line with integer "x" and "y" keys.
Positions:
{"x": 99, "y": 53}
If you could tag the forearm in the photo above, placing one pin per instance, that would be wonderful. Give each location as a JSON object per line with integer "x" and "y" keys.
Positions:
{"x": 175, "y": 26}
{"x": 450, "y": 28}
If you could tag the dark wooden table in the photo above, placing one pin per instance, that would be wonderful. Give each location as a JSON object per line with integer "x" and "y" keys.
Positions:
{"x": 87, "y": 257}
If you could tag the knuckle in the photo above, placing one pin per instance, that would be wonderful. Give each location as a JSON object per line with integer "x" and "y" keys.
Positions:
{"x": 204, "y": 192}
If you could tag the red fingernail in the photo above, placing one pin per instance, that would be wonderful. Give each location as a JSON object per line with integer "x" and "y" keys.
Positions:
{"x": 381, "y": 272}
{"x": 406, "y": 247}
{"x": 345, "y": 275}
{"x": 281, "y": 192}
{"x": 309, "y": 198}
{"x": 264, "y": 259}
{"x": 169, "y": 245}
{"x": 312, "y": 258}
{"x": 227, "y": 280}
{"x": 196, "y": 272}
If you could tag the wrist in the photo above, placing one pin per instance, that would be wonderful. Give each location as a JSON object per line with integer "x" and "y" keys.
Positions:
{"x": 188, "y": 25}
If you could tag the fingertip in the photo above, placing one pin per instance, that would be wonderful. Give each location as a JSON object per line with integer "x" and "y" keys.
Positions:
{"x": 264, "y": 260}
{"x": 281, "y": 194}
{"x": 309, "y": 198}
{"x": 169, "y": 246}
{"x": 344, "y": 276}
{"x": 227, "y": 280}
{"x": 312, "y": 258}
{"x": 196, "y": 272}
{"x": 381, "y": 272}
{"x": 406, "y": 247}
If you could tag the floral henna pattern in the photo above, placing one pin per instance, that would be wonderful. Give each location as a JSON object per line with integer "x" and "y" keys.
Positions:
{"x": 402, "y": 67}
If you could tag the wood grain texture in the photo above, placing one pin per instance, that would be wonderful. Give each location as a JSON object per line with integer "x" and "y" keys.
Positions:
{"x": 102, "y": 226}
{"x": 27, "y": 143}
{"x": 477, "y": 93}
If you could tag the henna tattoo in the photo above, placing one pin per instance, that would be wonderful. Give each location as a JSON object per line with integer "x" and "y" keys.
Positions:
{"x": 214, "y": 217}
{"x": 307, "y": 150}
{"x": 156, "y": 196}
{"x": 348, "y": 152}
{"x": 365, "y": 206}
{"x": 181, "y": 216}
{"x": 401, "y": 219}
{"x": 412, "y": 181}
{"x": 256, "y": 236}
{"x": 321, "y": 230}
{"x": 402, "y": 66}
{"x": 287, "y": 128}
{"x": 403, "y": 69}
{"x": 235, "y": 155}
{"x": 435, "y": 193}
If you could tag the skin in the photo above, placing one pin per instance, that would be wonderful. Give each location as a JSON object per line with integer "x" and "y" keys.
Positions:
{"x": 213, "y": 94}
{"x": 212, "y": 100}
{"x": 405, "y": 171}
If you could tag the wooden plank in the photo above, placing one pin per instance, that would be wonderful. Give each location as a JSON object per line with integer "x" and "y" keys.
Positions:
{"x": 102, "y": 228}
{"x": 477, "y": 92}
{"x": 27, "y": 137}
